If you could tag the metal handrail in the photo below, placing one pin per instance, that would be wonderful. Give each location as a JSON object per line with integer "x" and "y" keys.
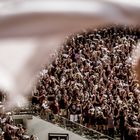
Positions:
{"x": 65, "y": 123}
{"x": 91, "y": 131}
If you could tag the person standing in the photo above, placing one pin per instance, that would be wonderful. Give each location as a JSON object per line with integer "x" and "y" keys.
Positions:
{"x": 63, "y": 104}
{"x": 72, "y": 112}
{"x": 111, "y": 125}
{"x": 122, "y": 124}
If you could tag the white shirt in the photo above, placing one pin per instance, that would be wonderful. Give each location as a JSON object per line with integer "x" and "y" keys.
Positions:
{"x": 45, "y": 105}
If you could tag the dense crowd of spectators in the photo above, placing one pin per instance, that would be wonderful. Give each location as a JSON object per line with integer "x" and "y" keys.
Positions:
{"x": 9, "y": 129}
{"x": 92, "y": 81}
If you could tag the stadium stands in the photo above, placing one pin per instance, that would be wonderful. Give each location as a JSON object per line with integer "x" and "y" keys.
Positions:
{"x": 92, "y": 82}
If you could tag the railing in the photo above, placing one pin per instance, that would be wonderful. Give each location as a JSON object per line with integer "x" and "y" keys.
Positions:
{"x": 79, "y": 129}
{"x": 74, "y": 127}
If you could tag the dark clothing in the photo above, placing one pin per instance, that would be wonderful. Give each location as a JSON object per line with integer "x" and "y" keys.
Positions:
{"x": 86, "y": 115}
{"x": 1, "y": 97}
{"x": 78, "y": 109}
{"x": 7, "y": 136}
{"x": 111, "y": 127}
{"x": 35, "y": 100}
{"x": 111, "y": 132}
{"x": 54, "y": 108}
{"x": 92, "y": 119}
{"x": 122, "y": 122}
{"x": 132, "y": 137}
{"x": 51, "y": 98}
{"x": 126, "y": 136}
{"x": 62, "y": 104}
{"x": 72, "y": 109}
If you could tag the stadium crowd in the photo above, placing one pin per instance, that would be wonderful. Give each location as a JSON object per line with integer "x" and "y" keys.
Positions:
{"x": 92, "y": 82}
{"x": 9, "y": 129}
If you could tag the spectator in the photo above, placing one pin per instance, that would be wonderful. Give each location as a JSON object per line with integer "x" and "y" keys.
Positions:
{"x": 45, "y": 110}
{"x": 63, "y": 104}
{"x": 122, "y": 124}
{"x": 111, "y": 125}
{"x": 73, "y": 112}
